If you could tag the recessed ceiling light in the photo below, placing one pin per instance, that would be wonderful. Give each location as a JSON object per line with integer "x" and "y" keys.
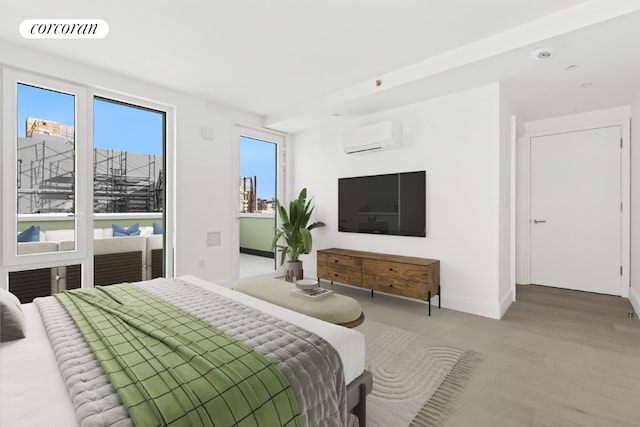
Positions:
{"x": 571, "y": 67}
{"x": 586, "y": 85}
{"x": 542, "y": 54}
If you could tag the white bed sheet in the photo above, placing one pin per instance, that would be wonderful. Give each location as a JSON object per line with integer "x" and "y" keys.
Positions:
{"x": 33, "y": 393}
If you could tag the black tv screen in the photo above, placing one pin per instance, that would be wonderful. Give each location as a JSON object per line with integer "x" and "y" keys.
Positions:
{"x": 383, "y": 204}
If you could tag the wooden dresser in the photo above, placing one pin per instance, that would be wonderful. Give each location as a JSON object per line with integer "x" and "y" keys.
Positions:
{"x": 400, "y": 275}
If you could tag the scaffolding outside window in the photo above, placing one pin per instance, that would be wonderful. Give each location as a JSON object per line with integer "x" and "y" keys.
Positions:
{"x": 123, "y": 181}
{"x": 127, "y": 158}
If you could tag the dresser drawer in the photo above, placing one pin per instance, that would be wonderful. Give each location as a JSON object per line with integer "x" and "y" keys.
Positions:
{"x": 340, "y": 274}
{"x": 411, "y": 272}
{"x": 410, "y": 277}
{"x": 335, "y": 260}
{"x": 397, "y": 286}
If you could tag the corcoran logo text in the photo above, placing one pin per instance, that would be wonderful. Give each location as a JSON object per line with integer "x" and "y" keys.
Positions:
{"x": 64, "y": 29}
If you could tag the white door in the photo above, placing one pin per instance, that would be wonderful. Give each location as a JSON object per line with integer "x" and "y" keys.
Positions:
{"x": 576, "y": 210}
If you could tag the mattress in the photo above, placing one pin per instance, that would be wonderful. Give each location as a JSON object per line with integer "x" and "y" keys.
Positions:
{"x": 32, "y": 391}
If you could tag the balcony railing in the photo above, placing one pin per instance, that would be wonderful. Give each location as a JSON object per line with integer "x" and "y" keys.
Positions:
{"x": 256, "y": 233}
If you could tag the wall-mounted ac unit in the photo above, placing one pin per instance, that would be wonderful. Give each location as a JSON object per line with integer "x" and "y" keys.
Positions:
{"x": 380, "y": 136}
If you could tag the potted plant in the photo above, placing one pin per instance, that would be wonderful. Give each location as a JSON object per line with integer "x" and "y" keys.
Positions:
{"x": 296, "y": 231}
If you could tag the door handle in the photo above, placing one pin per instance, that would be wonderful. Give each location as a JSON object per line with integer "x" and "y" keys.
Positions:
{"x": 539, "y": 221}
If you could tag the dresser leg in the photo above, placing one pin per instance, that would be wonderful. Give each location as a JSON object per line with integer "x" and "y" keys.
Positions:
{"x": 439, "y": 297}
{"x": 429, "y": 298}
{"x": 371, "y": 293}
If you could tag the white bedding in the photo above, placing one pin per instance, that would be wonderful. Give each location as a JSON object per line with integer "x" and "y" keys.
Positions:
{"x": 33, "y": 393}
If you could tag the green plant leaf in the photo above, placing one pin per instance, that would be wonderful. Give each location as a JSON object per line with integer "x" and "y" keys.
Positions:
{"x": 294, "y": 227}
{"x": 305, "y": 234}
{"x": 316, "y": 225}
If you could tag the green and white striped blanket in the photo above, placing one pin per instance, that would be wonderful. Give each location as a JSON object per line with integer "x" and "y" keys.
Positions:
{"x": 173, "y": 369}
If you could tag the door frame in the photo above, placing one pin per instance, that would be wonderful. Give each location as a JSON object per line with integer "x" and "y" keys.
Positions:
{"x": 281, "y": 141}
{"x": 604, "y": 118}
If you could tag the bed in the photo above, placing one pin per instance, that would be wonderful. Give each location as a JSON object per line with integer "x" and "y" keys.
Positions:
{"x": 33, "y": 392}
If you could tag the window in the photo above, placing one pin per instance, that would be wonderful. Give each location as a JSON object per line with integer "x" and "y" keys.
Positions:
{"x": 45, "y": 164}
{"x": 70, "y": 180}
{"x": 128, "y": 158}
{"x": 128, "y": 182}
{"x": 45, "y": 186}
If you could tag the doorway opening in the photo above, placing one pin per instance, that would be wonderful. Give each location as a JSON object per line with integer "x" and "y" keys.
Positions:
{"x": 258, "y": 192}
{"x": 129, "y": 186}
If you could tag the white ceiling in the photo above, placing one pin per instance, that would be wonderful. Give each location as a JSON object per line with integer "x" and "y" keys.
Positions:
{"x": 297, "y": 63}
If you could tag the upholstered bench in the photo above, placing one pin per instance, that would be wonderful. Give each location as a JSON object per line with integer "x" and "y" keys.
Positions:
{"x": 338, "y": 309}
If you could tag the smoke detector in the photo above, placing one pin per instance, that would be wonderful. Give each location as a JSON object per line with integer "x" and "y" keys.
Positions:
{"x": 542, "y": 54}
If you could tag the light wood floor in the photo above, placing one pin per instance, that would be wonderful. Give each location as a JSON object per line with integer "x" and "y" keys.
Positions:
{"x": 557, "y": 358}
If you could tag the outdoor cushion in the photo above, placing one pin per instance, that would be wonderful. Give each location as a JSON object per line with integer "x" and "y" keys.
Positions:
{"x": 120, "y": 231}
{"x": 31, "y": 234}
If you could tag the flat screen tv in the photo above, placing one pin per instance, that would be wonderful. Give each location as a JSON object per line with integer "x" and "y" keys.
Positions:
{"x": 392, "y": 204}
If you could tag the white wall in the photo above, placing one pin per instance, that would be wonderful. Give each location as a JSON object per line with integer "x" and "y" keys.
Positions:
{"x": 205, "y": 185}
{"x": 506, "y": 266}
{"x": 457, "y": 140}
{"x": 522, "y": 210}
{"x": 634, "y": 290}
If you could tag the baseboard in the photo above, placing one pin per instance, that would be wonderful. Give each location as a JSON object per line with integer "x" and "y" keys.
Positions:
{"x": 492, "y": 311}
{"x": 257, "y": 252}
{"x": 634, "y": 298}
{"x": 506, "y": 302}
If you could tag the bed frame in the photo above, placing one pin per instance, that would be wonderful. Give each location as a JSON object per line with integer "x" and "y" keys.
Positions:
{"x": 109, "y": 269}
{"x": 357, "y": 392}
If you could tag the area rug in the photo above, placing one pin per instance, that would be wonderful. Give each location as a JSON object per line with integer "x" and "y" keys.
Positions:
{"x": 415, "y": 383}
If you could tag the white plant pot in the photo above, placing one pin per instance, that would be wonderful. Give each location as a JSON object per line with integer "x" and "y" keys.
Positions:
{"x": 293, "y": 271}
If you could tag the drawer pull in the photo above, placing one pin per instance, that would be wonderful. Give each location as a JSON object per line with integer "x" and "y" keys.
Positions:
{"x": 391, "y": 269}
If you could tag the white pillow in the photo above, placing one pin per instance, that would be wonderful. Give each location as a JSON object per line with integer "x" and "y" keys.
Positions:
{"x": 146, "y": 231}
{"x": 59, "y": 235}
{"x": 12, "y": 324}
